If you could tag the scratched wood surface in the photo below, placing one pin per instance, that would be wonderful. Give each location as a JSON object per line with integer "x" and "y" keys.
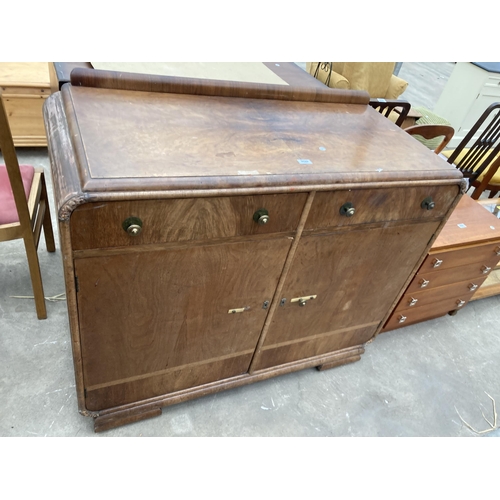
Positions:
{"x": 183, "y": 220}
{"x": 355, "y": 275}
{"x": 138, "y": 140}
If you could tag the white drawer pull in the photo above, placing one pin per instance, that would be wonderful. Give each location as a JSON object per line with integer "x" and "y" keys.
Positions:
{"x": 472, "y": 287}
{"x": 401, "y": 319}
{"x": 460, "y": 303}
{"x": 412, "y": 301}
{"x": 436, "y": 262}
{"x": 485, "y": 269}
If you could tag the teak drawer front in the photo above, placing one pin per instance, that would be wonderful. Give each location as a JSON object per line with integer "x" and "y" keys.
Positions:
{"x": 99, "y": 225}
{"x": 424, "y": 313}
{"x": 425, "y": 297}
{"x": 489, "y": 254}
{"x": 447, "y": 276}
{"x": 379, "y": 205}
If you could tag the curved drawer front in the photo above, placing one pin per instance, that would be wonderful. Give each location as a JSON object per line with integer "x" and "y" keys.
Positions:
{"x": 100, "y": 225}
{"x": 379, "y": 205}
{"x": 413, "y": 300}
{"x": 489, "y": 254}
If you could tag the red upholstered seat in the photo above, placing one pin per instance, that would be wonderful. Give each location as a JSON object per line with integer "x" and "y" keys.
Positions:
{"x": 8, "y": 211}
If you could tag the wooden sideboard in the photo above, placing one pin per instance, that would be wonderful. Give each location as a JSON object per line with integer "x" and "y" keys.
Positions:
{"x": 24, "y": 86}
{"x": 211, "y": 241}
{"x": 459, "y": 262}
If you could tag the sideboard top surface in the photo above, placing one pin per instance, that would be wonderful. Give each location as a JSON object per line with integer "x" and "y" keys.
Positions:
{"x": 129, "y": 140}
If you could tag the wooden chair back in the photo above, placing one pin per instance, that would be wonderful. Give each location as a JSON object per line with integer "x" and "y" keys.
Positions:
{"x": 482, "y": 152}
{"x": 32, "y": 211}
{"x": 433, "y": 131}
{"x": 16, "y": 182}
{"x": 385, "y": 106}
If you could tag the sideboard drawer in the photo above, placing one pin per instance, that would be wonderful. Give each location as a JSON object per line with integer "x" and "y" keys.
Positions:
{"x": 378, "y": 205}
{"x": 487, "y": 254}
{"x": 429, "y": 311}
{"x": 426, "y": 281}
{"x": 425, "y": 297}
{"x": 100, "y": 225}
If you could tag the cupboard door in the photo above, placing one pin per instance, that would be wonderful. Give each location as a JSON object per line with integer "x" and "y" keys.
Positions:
{"x": 158, "y": 321}
{"x": 355, "y": 275}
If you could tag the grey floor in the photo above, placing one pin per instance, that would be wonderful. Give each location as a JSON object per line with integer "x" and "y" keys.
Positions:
{"x": 409, "y": 382}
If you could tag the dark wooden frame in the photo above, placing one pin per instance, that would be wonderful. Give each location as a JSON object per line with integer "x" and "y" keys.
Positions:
{"x": 480, "y": 155}
{"x": 385, "y": 106}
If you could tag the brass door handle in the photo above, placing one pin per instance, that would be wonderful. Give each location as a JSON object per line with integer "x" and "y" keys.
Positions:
{"x": 303, "y": 300}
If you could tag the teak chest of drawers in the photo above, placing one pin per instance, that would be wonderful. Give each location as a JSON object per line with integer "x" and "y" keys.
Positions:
{"x": 213, "y": 241}
{"x": 459, "y": 261}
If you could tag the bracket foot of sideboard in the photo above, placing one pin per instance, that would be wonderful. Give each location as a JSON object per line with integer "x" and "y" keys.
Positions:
{"x": 353, "y": 356}
{"x": 107, "y": 422}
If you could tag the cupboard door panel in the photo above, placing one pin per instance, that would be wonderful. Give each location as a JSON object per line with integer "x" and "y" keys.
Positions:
{"x": 355, "y": 275}
{"x": 146, "y": 313}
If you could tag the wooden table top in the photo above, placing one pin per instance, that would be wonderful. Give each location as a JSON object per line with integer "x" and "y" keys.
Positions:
{"x": 469, "y": 223}
{"x": 192, "y": 142}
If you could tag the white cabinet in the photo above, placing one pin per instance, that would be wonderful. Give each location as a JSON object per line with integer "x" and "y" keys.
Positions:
{"x": 472, "y": 87}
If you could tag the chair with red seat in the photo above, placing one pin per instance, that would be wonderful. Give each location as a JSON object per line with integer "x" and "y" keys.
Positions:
{"x": 24, "y": 208}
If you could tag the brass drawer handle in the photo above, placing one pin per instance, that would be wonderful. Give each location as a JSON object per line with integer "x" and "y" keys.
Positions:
{"x": 401, "y": 318}
{"x": 428, "y": 203}
{"x": 261, "y": 216}
{"x": 347, "y": 209}
{"x": 423, "y": 283}
{"x": 472, "y": 287}
{"x": 238, "y": 310}
{"x": 485, "y": 269}
{"x": 412, "y": 301}
{"x": 460, "y": 303}
{"x": 303, "y": 300}
{"x": 132, "y": 225}
{"x": 436, "y": 262}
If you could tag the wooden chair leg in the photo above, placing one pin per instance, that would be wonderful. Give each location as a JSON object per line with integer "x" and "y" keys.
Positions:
{"x": 47, "y": 222}
{"x": 36, "y": 277}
